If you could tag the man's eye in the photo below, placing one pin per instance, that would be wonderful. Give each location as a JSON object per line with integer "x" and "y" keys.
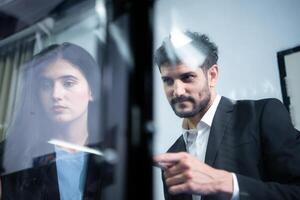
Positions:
{"x": 168, "y": 81}
{"x": 187, "y": 78}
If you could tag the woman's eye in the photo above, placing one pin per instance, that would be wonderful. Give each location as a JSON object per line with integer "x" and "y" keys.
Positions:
{"x": 69, "y": 83}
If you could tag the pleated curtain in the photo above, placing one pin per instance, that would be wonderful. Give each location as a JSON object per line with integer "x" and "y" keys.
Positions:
{"x": 12, "y": 57}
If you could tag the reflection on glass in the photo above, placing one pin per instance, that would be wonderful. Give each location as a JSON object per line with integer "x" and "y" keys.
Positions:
{"x": 53, "y": 149}
{"x": 179, "y": 46}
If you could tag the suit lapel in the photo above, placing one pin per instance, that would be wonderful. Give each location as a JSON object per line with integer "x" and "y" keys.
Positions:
{"x": 178, "y": 146}
{"x": 220, "y": 122}
{"x": 218, "y": 129}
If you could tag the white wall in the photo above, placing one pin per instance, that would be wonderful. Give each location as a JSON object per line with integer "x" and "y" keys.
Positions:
{"x": 82, "y": 33}
{"x": 248, "y": 33}
{"x": 292, "y": 62}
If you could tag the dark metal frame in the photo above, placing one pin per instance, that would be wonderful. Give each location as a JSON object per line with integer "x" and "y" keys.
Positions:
{"x": 134, "y": 88}
{"x": 282, "y": 73}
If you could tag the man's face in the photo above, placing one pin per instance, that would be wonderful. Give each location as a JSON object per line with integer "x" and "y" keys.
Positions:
{"x": 186, "y": 88}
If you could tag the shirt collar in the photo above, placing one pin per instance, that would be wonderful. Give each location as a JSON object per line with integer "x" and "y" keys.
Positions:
{"x": 207, "y": 118}
{"x": 209, "y": 115}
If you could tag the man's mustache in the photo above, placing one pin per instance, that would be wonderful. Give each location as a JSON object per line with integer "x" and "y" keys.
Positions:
{"x": 182, "y": 99}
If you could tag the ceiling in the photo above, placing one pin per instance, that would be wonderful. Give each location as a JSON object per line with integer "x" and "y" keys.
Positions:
{"x": 28, "y": 11}
{"x": 16, "y": 15}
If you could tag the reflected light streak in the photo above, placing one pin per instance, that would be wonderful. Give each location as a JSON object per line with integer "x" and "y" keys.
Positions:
{"x": 178, "y": 38}
{"x": 101, "y": 11}
{"x": 184, "y": 49}
{"x": 75, "y": 147}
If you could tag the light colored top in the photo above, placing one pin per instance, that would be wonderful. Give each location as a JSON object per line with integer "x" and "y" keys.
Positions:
{"x": 196, "y": 142}
{"x": 71, "y": 173}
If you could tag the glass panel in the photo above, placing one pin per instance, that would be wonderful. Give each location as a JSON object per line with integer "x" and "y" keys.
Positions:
{"x": 63, "y": 129}
{"x": 209, "y": 53}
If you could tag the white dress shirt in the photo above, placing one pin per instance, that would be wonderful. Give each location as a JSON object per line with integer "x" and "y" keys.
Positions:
{"x": 196, "y": 142}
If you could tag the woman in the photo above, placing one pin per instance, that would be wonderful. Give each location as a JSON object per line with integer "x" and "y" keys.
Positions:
{"x": 61, "y": 85}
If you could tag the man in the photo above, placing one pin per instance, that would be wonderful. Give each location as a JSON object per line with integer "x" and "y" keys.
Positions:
{"x": 229, "y": 149}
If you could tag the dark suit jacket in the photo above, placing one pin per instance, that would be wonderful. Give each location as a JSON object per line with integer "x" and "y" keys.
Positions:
{"x": 257, "y": 141}
{"x": 41, "y": 183}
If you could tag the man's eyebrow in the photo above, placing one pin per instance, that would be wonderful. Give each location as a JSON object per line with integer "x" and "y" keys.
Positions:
{"x": 165, "y": 77}
{"x": 187, "y": 73}
{"x": 180, "y": 75}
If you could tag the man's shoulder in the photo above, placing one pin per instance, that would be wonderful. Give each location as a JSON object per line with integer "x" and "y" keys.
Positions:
{"x": 254, "y": 102}
{"x": 249, "y": 106}
{"x": 264, "y": 100}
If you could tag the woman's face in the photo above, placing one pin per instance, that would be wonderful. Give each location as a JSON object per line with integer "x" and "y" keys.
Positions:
{"x": 64, "y": 92}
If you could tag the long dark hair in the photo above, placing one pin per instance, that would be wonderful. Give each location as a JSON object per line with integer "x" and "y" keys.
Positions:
{"x": 29, "y": 129}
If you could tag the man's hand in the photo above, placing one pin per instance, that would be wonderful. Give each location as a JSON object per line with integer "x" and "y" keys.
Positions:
{"x": 184, "y": 173}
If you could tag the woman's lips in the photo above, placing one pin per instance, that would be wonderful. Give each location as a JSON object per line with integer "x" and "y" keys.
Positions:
{"x": 58, "y": 109}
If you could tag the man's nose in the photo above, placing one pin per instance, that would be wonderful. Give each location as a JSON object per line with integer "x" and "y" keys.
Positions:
{"x": 179, "y": 89}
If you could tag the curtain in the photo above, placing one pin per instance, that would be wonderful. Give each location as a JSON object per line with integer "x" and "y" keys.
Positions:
{"x": 12, "y": 57}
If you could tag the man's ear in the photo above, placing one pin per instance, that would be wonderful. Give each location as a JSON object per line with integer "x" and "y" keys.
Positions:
{"x": 213, "y": 74}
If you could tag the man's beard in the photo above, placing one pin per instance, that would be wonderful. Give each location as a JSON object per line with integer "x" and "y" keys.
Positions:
{"x": 197, "y": 108}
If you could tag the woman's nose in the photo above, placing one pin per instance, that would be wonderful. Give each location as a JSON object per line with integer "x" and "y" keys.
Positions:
{"x": 57, "y": 92}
